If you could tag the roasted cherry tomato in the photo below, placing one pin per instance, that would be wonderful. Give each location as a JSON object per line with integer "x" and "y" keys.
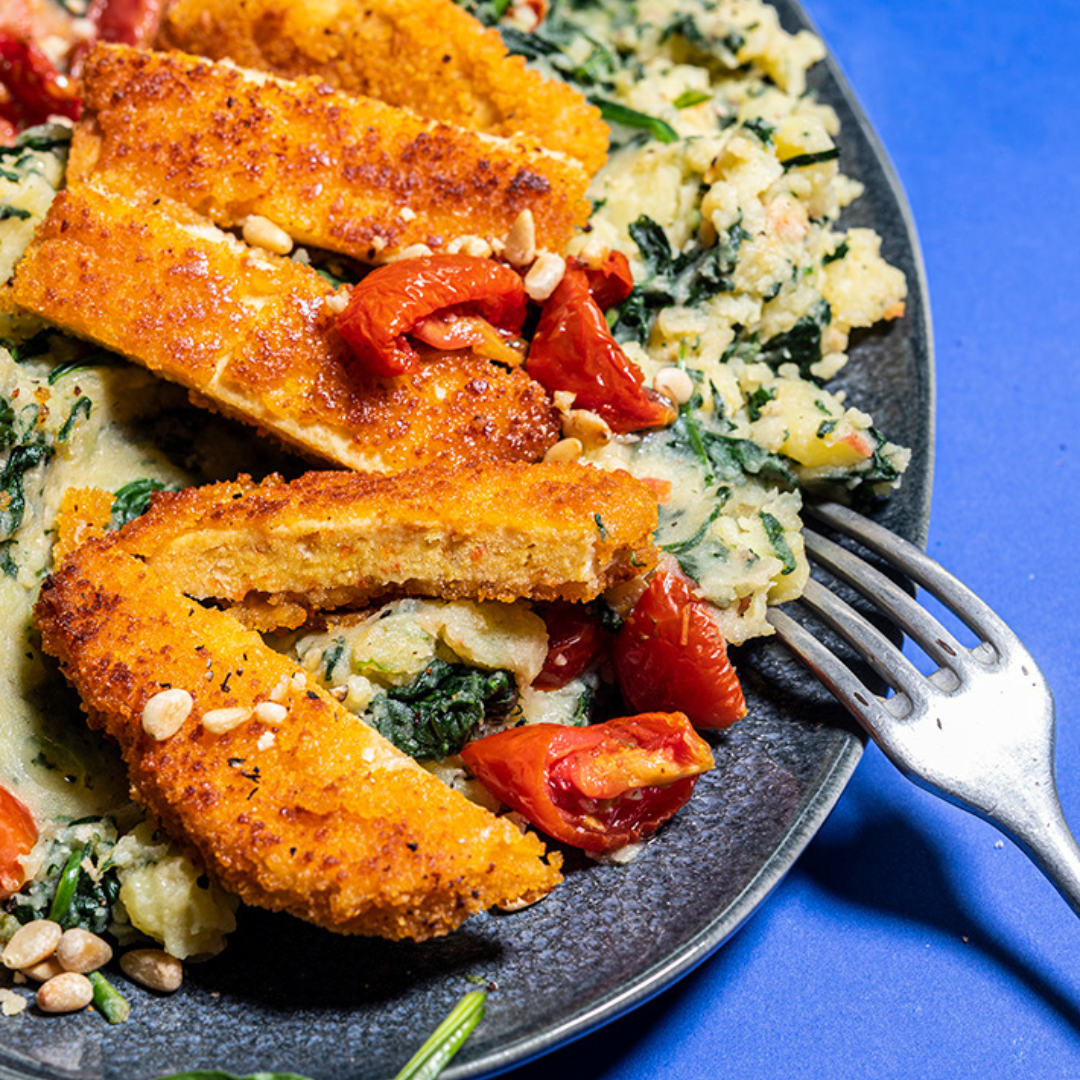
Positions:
{"x": 597, "y": 787}
{"x": 573, "y": 350}
{"x": 576, "y": 641}
{"x": 18, "y": 834}
{"x": 124, "y": 22}
{"x": 36, "y": 90}
{"x": 387, "y": 306}
{"x": 670, "y": 654}
{"x": 611, "y": 282}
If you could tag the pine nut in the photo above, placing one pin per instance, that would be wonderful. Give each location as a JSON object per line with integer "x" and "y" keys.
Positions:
{"x": 520, "y": 247}
{"x": 81, "y": 951}
{"x": 65, "y": 993}
{"x": 564, "y": 450}
{"x": 263, "y": 233}
{"x": 593, "y": 253}
{"x": 265, "y": 740}
{"x": 582, "y": 424}
{"x": 674, "y": 383}
{"x": 476, "y": 246}
{"x": 31, "y": 944}
{"x": 413, "y": 251}
{"x": 43, "y": 970}
{"x": 153, "y": 968}
{"x": 270, "y": 712}
{"x": 544, "y": 275}
{"x": 218, "y": 721}
{"x": 164, "y": 714}
{"x": 337, "y": 302}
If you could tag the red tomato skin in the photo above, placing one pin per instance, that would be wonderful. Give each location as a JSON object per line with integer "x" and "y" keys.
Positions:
{"x": 573, "y": 350}
{"x": 391, "y": 300}
{"x": 539, "y": 770}
{"x": 18, "y": 834}
{"x": 575, "y": 642}
{"x": 611, "y": 282}
{"x": 671, "y": 655}
{"x": 37, "y": 90}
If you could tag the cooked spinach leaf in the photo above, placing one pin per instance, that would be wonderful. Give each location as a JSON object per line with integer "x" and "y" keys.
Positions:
{"x": 799, "y": 161}
{"x": 687, "y": 278}
{"x": 837, "y": 252}
{"x": 8, "y": 212}
{"x": 801, "y": 344}
{"x": 132, "y": 500}
{"x": 761, "y": 128}
{"x": 691, "y": 97}
{"x": 82, "y": 407}
{"x": 775, "y": 532}
{"x": 21, "y": 460}
{"x": 437, "y": 712}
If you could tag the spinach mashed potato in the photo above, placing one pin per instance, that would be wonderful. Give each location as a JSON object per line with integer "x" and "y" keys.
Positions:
{"x": 723, "y": 189}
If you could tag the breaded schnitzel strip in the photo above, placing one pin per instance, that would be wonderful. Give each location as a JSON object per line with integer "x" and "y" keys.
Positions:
{"x": 431, "y": 57}
{"x": 350, "y": 175}
{"x": 313, "y": 813}
{"x": 493, "y": 532}
{"x": 252, "y": 334}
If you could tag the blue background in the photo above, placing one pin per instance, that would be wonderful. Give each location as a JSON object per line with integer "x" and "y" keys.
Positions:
{"x": 910, "y": 940}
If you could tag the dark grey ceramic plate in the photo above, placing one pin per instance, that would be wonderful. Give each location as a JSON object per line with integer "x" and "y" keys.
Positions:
{"x": 287, "y": 997}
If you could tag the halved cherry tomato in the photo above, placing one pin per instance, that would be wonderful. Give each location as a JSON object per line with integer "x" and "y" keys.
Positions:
{"x": 576, "y": 640}
{"x": 124, "y": 22}
{"x": 388, "y": 305}
{"x": 18, "y": 834}
{"x": 573, "y": 350}
{"x": 597, "y": 787}
{"x": 670, "y": 654}
{"x": 36, "y": 90}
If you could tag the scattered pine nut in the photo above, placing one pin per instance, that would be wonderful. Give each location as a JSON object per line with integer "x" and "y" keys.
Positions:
{"x": 337, "y": 302}
{"x": 263, "y": 233}
{"x": 270, "y": 712}
{"x": 164, "y": 714}
{"x": 218, "y": 721}
{"x": 31, "y": 944}
{"x": 154, "y": 968}
{"x": 65, "y": 993}
{"x": 43, "y": 970}
{"x": 81, "y": 951}
{"x": 674, "y": 383}
{"x": 564, "y": 450}
{"x": 544, "y": 275}
{"x": 520, "y": 246}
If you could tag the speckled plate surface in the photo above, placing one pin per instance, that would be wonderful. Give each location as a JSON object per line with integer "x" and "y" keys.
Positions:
{"x": 285, "y": 996}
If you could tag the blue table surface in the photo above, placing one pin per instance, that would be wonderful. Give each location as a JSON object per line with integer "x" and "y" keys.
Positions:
{"x": 910, "y": 940}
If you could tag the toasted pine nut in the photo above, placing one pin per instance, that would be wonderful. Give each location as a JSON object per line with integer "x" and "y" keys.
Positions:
{"x": 218, "y": 721}
{"x": 43, "y": 970}
{"x": 265, "y": 740}
{"x": 164, "y": 714}
{"x": 153, "y": 968}
{"x": 476, "y": 246}
{"x": 337, "y": 302}
{"x": 586, "y": 426}
{"x": 407, "y": 213}
{"x": 413, "y": 251}
{"x": 593, "y": 253}
{"x": 544, "y": 275}
{"x": 520, "y": 248}
{"x": 81, "y": 951}
{"x": 674, "y": 383}
{"x": 65, "y": 993}
{"x": 262, "y": 232}
{"x": 270, "y": 712}
{"x": 564, "y": 450}
{"x": 31, "y": 944}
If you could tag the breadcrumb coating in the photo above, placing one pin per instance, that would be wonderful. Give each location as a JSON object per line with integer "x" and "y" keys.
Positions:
{"x": 356, "y": 176}
{"x": 252, "y": 335}
{"x": 432, "y": 57}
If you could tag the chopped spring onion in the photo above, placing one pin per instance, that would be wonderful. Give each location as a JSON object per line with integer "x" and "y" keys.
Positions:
{"x": 446, "y": 1039}
{"x": 65, "y": 891}
{"x": 108, "y": 1000}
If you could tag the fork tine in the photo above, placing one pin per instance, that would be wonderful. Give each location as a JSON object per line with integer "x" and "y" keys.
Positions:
{"x": 956, "y": 596}
{"x": 887, "y": 661}
{"x": 915, "y": 620}
{"x": 838, "y": 678}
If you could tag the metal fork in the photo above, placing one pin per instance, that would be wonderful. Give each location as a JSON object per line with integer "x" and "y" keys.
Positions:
{"x": 979, "y": 731}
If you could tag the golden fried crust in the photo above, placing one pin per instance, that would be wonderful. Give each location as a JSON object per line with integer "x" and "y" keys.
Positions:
{"x": 497, "y": 532}
{"x": 432, "y": 57}
{"x": 253, "y": 335}
{"x": 350, "y": 175}
{"x": 314, "y": 813}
